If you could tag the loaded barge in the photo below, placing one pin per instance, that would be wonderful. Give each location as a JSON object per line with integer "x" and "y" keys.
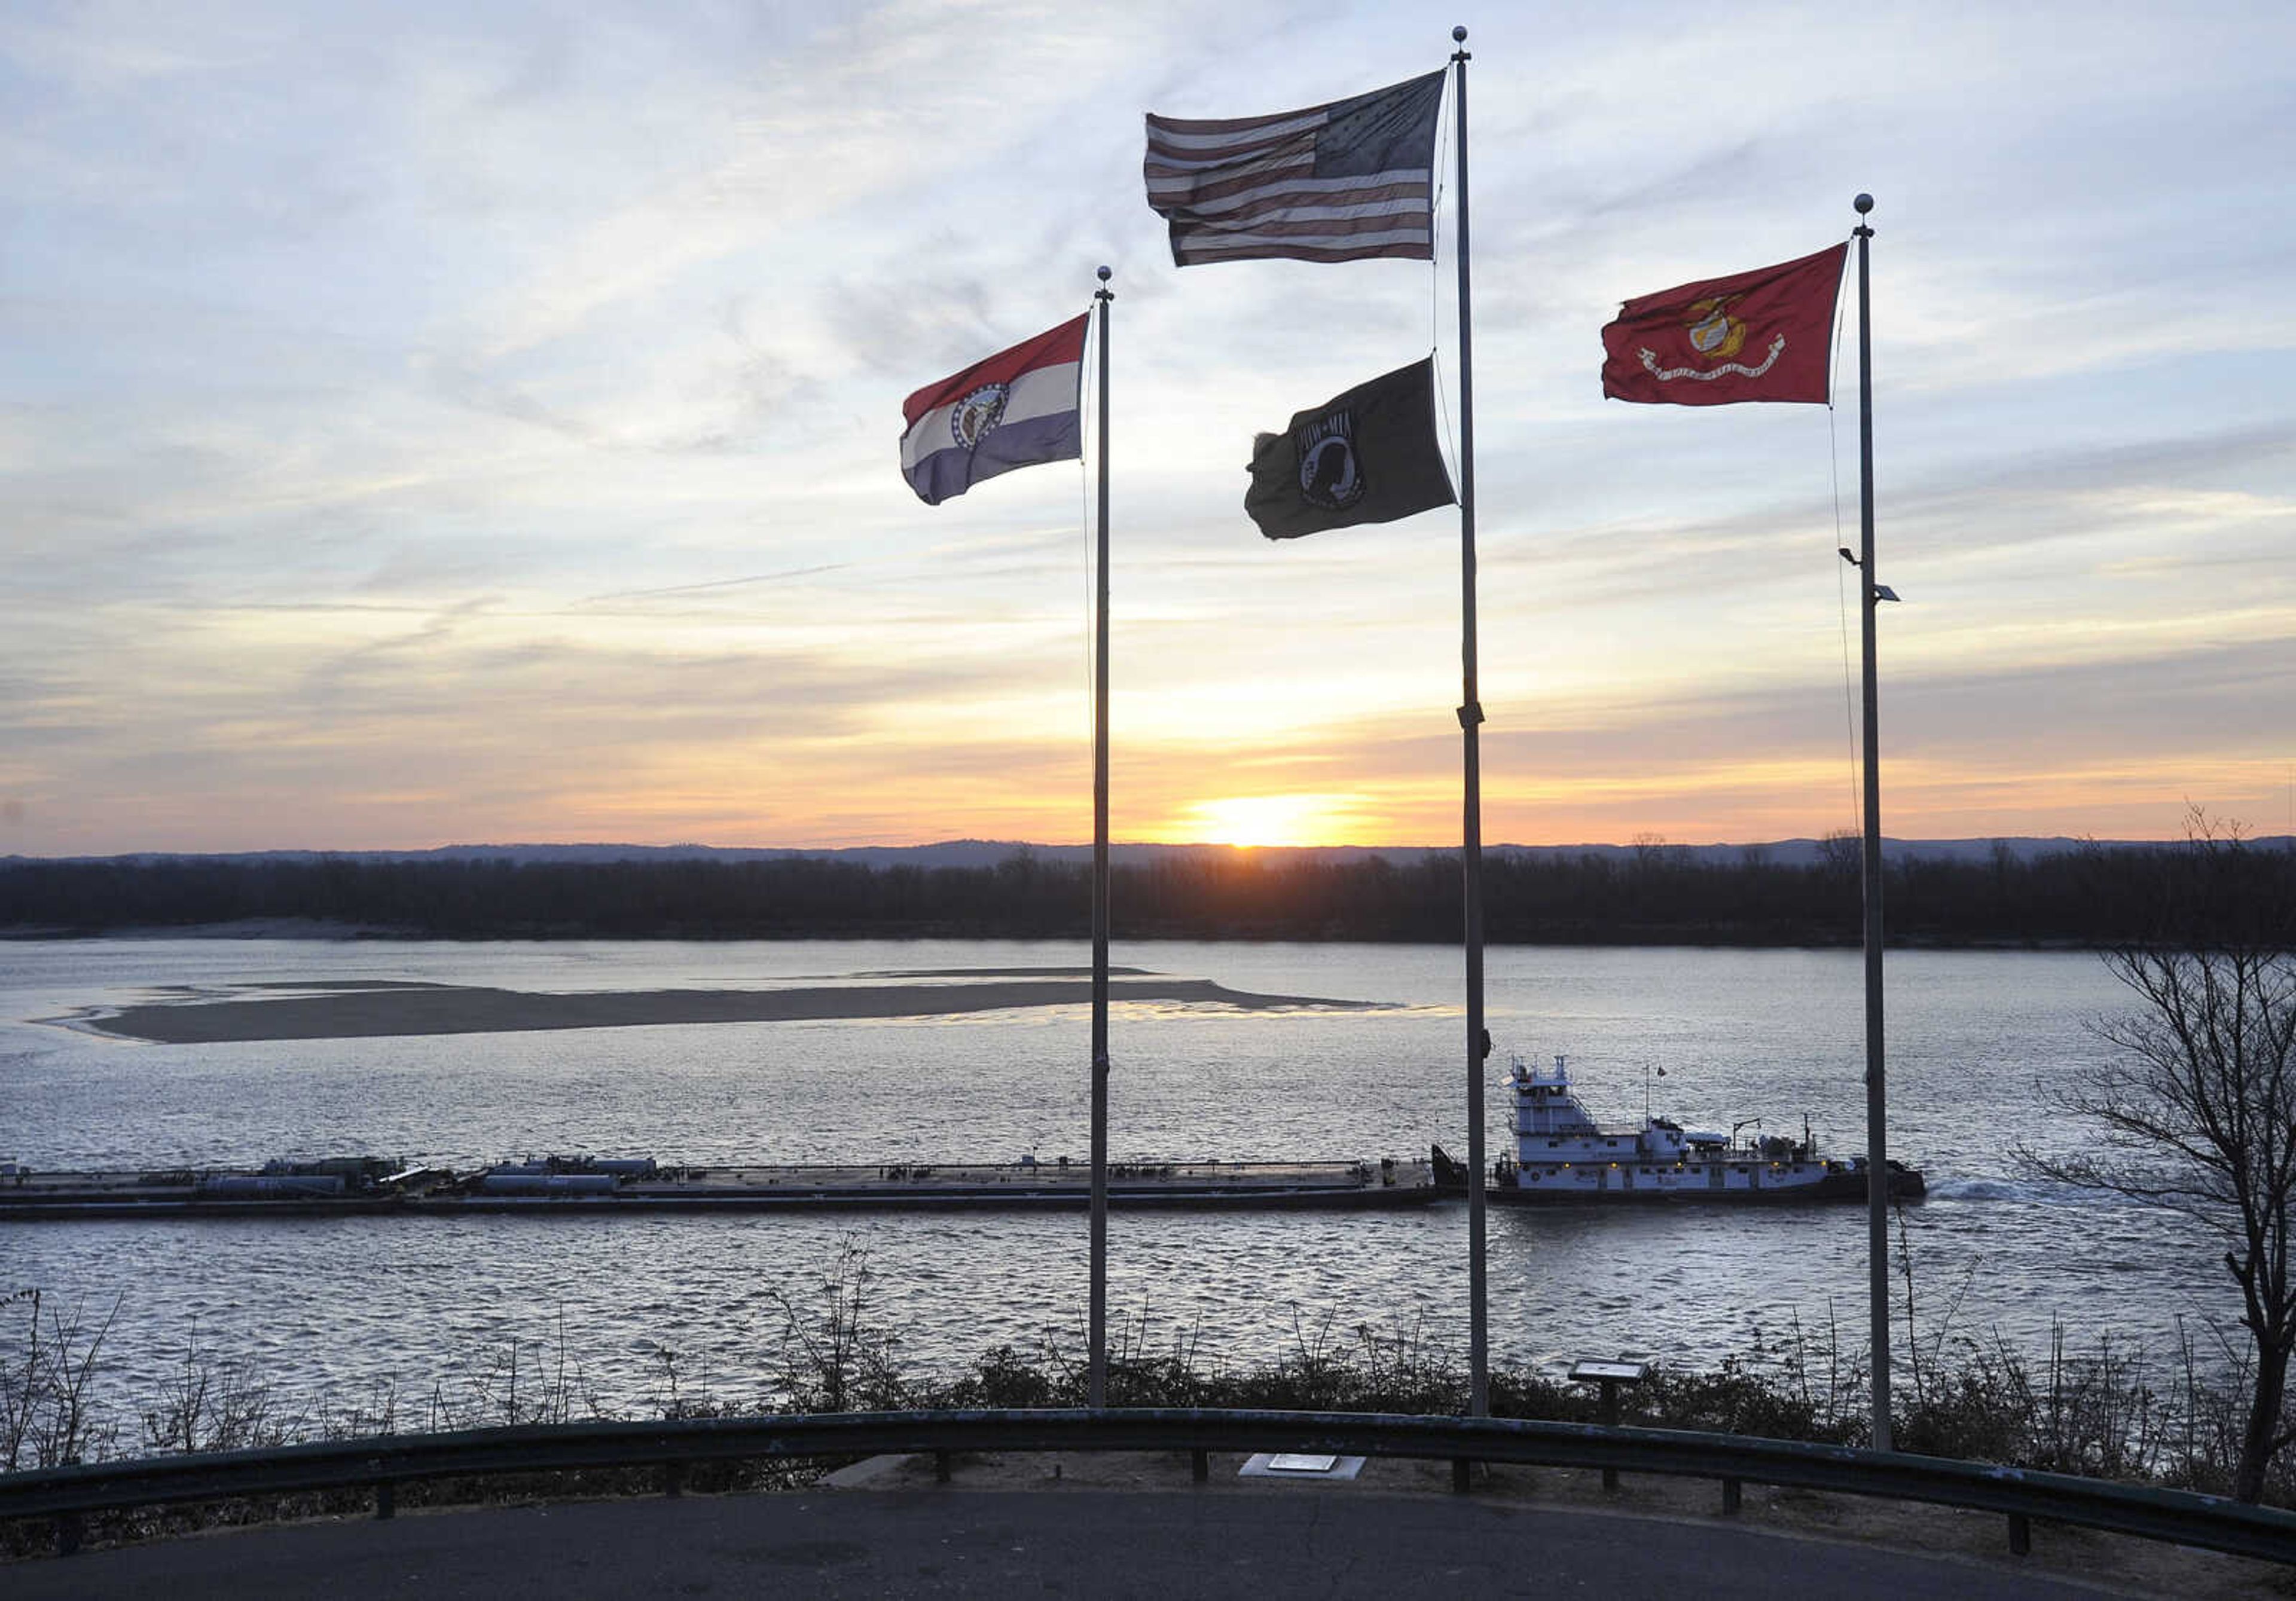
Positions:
{"x": 1562, "y": 1155}
{"x": 562, "y": 1187}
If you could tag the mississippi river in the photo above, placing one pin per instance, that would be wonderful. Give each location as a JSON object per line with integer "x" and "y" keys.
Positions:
{"x": 125, "y": 1054}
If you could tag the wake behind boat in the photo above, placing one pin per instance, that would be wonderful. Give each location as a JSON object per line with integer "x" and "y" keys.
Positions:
{"x": 1563, "y": 1155}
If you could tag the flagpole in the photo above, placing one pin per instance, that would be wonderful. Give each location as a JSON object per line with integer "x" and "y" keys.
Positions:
{"x": 1471, "y": 717}
{"x": 1877, "y": 1169}
{"x": 1096, "y": 1388}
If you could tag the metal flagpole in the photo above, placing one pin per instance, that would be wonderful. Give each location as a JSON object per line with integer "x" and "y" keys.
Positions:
{"x": 1877, "y": 1169}
{"x": 1097, "y": 1387}
{"x": 1471, "y": 717}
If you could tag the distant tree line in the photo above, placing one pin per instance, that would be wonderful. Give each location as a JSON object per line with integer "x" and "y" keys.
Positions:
{"x": 2094, "y": 896}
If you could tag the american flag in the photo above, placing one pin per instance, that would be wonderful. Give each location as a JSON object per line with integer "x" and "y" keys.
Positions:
{"x": 1344, "y": 181}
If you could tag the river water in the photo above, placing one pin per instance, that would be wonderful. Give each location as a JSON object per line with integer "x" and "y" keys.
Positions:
{"x": 1979, "y": 1044}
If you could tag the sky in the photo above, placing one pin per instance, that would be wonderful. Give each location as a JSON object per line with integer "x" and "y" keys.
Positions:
{"x": 433, "y": 424}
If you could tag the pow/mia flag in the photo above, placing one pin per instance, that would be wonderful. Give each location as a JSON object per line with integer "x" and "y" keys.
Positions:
{"x": 1368, "y": 456}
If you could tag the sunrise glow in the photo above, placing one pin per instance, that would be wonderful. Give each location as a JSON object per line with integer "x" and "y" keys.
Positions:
{"x": 1246, "y": 820}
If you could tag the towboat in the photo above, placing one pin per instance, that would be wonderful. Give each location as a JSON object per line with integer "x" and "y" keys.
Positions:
{"x": 1563, "y": 1155}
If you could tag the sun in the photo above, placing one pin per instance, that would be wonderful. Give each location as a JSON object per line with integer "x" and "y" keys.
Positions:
{"x": 1248, "y": 820}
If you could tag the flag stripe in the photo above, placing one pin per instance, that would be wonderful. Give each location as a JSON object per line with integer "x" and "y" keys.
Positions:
{"x": 1341, "y": 236}
{"x": 1211, "y": 199}
{"x": 1204, "y": 133}
{"x": 1283, "y": 186}
{"x": 1185, "y": 193}
{"x": 1307, "y": 191}
{"x": 1379, "y": 227}
{"x": 1197, "y": 178}
{"x": 1065, "y": 343}
{"x": 1194, "y": 155}
{"x": 1337, "y": 219}
{"x": 1197, "y": 251}
{"x": 1058, "y": 435}
{"x": 1041, "y": 392}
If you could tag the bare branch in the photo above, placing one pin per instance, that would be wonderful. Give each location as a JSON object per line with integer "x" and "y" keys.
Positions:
{"x": 2195, "y": 1110}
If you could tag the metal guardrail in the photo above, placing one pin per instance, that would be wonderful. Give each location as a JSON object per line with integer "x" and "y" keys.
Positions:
{"x": 66, "y": 1494}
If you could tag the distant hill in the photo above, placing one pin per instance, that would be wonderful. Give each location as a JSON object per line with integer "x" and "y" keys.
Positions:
{"x": 988, "y": 853}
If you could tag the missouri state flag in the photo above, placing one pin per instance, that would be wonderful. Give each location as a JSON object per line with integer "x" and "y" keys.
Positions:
{"x": 1763, "y": 335}
{"x": 1018, "y": 407}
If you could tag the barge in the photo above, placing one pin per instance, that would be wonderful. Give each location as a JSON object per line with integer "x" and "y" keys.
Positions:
{"x": 1562, "y": 1155}
{"x": 591, "y": 1185}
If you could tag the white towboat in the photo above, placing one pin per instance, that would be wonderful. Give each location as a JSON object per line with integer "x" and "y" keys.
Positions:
{"x": 1560, "y": 1153}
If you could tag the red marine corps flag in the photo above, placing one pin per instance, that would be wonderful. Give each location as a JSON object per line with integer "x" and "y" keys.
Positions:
{"x": 1763, "y": 335}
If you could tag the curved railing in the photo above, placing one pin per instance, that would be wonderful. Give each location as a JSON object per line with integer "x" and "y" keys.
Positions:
{"x": 66, "y": 1494}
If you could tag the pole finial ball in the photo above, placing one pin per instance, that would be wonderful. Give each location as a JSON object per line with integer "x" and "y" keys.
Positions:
{"x": 1864, "y": 203}
{"x": 1459, "y": 34}
{"x": 1106, "y": 272}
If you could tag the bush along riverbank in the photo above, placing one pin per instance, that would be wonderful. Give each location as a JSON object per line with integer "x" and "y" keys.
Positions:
{"x": 2171, "y": 1419}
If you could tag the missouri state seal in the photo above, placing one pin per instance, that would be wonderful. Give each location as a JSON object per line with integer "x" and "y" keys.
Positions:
{"x": 971, "y": 419}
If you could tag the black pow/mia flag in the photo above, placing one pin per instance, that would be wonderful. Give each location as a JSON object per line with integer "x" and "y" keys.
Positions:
{"x": 1368, "y": 456}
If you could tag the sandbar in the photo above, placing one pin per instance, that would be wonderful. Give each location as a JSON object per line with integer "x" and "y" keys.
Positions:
{"x": 370, "y": 1010}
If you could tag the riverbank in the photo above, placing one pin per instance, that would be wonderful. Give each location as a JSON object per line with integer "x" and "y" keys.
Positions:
{"x": 2101, "y": 1412}
{"x": 2079, "y": 1414}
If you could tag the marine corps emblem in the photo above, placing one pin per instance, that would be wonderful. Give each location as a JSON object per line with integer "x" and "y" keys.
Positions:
{"x": 1714, "y": 333}
{"x": 978, "y": 412}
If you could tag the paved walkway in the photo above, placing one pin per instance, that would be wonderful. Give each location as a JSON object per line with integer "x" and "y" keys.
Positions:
{"x": 1259, "y": 1543}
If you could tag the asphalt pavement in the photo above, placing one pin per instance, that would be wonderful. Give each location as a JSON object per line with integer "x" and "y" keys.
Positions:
{"x": 829, "y": 1545}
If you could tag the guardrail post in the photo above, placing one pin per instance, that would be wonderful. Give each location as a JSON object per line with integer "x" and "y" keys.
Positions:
{"x": 386, "y": 1500}
{"x": 1460, "y": 1470}
{"x": 2021, "y": 1534}
{"x": 943, "y": 1466}
{"x": 1729, "y": 1497}
{"x": 1199, "y": 1465}
{"x": 67, "y": 1533}
{"x": 1610, "y": 1420}
{"x": 673, "y": 1478}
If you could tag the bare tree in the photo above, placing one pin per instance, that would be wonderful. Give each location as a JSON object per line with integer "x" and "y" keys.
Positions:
{"x": 49, "y": 1415}
{"x": 2197, "y": 1099}
{"x": 1842, "y": 851}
